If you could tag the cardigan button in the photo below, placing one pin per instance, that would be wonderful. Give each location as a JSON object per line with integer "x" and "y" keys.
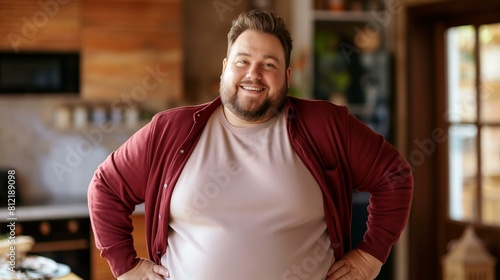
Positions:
{"x": 159, "y": 216}
{"x": 181, "y": 151}
{"x": 165, "y": 185}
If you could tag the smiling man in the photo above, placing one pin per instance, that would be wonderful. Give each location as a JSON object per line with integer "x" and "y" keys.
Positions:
{"x": 254, "y": 185}
{"x": 255, "y": 78}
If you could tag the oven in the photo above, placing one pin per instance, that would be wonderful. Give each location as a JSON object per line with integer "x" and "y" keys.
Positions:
{"x": 58, "y": 236}
{"x": 42, "y": 72}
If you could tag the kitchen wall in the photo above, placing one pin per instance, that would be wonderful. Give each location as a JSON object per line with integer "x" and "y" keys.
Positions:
{"x": 52, "y": 165}
{"x": 130, "y": 53}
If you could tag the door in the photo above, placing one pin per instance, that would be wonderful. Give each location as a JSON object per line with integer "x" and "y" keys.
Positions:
{"x": 454, "y": 128}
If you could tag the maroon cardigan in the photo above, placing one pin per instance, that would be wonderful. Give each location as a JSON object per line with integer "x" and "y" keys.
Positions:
{"x": 341, "y": 152}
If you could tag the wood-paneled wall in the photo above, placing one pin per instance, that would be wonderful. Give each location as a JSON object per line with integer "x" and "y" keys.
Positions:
{"x": 131, "y": 50}
{"x": 124, "y": 43}
{"x": 47, "y": 25}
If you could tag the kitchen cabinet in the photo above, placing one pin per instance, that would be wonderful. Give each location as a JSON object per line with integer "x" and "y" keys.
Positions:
{"x": 132, "y": 52}
{"x": 100, "y": 267}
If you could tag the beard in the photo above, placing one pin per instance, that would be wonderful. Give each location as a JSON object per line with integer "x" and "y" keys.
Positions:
{"x": 252, "y": 110}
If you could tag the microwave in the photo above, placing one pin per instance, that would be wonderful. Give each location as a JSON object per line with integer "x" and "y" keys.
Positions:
{"x": 39, "y": 73}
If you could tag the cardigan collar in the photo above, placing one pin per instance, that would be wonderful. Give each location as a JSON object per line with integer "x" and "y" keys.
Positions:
{"x": 207, "y": 109}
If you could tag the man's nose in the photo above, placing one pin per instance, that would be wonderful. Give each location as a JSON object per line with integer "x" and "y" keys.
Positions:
{"x": 254, "y": 73}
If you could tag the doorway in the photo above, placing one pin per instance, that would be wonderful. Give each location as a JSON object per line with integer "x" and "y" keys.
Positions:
{"x": 455, "y": 172}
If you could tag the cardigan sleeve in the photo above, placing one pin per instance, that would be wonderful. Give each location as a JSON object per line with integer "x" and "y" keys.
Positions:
{"x": 378, "y": 168}
{"x": 118, "y": 185}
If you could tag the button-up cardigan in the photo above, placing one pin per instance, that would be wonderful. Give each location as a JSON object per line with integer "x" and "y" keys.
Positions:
{"x": 341, "y": 152}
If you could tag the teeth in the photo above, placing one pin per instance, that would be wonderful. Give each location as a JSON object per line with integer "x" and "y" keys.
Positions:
{"x": 253, "y": 88}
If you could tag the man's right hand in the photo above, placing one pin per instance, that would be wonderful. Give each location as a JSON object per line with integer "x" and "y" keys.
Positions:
{"x": 145, "y": 270}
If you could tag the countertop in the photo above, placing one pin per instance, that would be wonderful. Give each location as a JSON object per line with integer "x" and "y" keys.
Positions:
{"x": 72, "y": 210}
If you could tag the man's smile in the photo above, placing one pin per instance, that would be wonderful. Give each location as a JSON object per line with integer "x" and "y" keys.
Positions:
{"x": 252, "y": 88}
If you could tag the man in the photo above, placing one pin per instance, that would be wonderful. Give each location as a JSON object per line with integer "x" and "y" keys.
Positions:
{"x": 254, "y": 185}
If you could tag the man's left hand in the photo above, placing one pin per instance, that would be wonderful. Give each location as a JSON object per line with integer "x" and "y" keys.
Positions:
{"x": 355, "y": 265}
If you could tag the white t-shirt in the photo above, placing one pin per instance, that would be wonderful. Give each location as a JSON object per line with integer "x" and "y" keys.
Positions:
{"x": 246, "y": 207}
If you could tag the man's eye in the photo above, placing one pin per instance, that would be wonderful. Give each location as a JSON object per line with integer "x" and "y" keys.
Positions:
{"x": 241, "y": 62}
{"x": 269, "y": 65}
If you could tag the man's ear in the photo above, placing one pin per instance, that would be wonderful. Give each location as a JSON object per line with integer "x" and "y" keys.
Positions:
{"x": 224, "y": 63}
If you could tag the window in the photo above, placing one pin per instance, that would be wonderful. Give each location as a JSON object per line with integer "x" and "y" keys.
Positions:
{"x": 473, "y": 119}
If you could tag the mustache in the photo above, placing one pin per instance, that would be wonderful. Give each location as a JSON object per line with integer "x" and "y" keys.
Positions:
{"x": 248, "y": 82}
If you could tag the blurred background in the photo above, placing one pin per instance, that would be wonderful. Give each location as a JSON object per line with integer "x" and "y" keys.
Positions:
{"x": 78, "y": 77}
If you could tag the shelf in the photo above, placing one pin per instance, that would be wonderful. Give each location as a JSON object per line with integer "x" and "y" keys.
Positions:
{"x": 106, "y": 128}
{"x": 347, "y": 16}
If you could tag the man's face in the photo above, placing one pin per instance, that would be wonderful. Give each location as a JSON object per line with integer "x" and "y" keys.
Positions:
{"x": 254, "y": 81}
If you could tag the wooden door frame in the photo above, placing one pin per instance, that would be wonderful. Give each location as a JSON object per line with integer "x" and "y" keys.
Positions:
{"x": 426, "y": 102}
{"x": 422, "y": 244}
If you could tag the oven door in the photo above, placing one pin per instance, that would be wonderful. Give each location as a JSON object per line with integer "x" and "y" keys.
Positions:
{"x": 65, "y": 241}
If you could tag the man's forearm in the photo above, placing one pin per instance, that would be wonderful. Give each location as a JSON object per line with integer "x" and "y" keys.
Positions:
{"x": 112, "y": 227}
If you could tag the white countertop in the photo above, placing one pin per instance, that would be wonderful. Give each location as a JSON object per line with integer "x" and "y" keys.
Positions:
{"x": 51, "y": 211}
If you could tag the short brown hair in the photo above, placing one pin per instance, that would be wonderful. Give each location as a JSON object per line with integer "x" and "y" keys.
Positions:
{"x": 263, "y": 21}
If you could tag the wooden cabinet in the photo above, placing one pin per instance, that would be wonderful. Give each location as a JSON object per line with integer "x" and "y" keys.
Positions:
{"x": 100, "y": 267}
{"x": 132, "y": 52}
